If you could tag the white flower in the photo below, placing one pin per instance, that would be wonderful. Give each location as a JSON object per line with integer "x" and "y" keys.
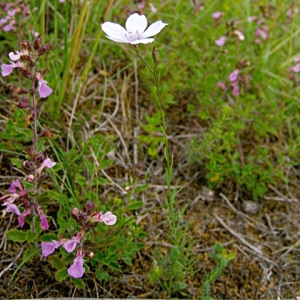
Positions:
{"x": 135, "y": 30}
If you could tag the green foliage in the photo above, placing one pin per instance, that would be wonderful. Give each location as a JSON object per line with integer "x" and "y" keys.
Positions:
{"x": 16, "y": 235}
{"x": 221, "y": 258}
{"x": 152, "y": 137}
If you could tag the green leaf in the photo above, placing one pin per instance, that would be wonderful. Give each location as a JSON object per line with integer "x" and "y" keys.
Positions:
{"x": 16, "y": 235}
{"x": 79, "y": 283}
{"x": 141, "y": 188}
{"x": 134, "y": 205}
{"x": 56, "y": 262}
{"x": 16, "y": 162}
{"x": 61, "y": 275}
{"x": 102, "y": 275}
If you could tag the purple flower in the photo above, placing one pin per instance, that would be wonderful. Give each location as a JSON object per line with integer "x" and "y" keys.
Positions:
{"x": 217, "y": 15}
{"x": 108, "y": 218}
{"x": 7, "y": 69}
{"x": 49, "y": 247}
{"x": 21, "y": 218}
{"x": 221, "y": 41}
{"x": 235, "y": 89}
{"x": 44, "y": 223}
{"x": 296, "y": 68}
{"x": 10, "y": 207}
{"x": 43, "y": 89}
{"x": 16, "y": 186}
{"x": 13, "y": 56}
{"x": 70, "y": 245}
{"x": 233, "y": 76}
{"x": 47, "y": 163}
{"x": 77, "y": 270}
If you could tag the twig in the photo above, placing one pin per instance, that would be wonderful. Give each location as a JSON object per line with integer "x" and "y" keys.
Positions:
{"x": 11, "y": 264}
{"x": 241, "y": 239}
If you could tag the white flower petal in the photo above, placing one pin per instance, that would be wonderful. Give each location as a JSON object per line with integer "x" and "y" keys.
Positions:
{"x": 115, "y": 32}
{"x": 154, "y": 29}
{"x": 142, "y": 41}
{"x": 136, "y": 23}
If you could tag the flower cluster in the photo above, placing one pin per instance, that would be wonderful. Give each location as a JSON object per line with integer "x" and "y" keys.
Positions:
{"x": 9, "y": 23}
{"x": 19, "y": 196}
{"x": 24, "y": 61}
{"x": 262, "y": 30}
{"x": 294, "y": 70}
{"x": 86, "y": 219}
{"x": 231, "y": 31}
{"x": 236, "y": 79}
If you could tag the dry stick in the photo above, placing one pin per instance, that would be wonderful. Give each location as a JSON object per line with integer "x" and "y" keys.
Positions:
{"x": 241, "y": 239}
{"x": 239, "y": 213}
{"x": 12, "y": 263}
{"x": 4, "y": 234}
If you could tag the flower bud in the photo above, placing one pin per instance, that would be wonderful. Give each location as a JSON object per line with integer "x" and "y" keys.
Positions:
{"x": 45, "y": 48}
{"x": 37, "y": 42}
{"x": 155, "y": 56}
{"x": 30, "y": 178}
{"x": 26, "y": 45}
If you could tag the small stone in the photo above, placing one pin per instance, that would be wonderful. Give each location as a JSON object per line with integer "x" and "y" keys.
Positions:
{"x": 250, "y": 207}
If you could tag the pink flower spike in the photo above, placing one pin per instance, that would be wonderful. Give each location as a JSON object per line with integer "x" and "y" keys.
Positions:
{"x": 6, "y": 69}
{"x": 233, "y": 76}
{"x": 49, "y": 247}
{"x": 77, "y": 270}
{"x": 108, "y": 218}
{"x": 221, "y": 41}
{"x": 14, "y": 57}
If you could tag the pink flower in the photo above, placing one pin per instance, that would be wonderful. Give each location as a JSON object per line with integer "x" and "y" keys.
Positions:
{"x": 13, "y": 56}
{"x": 217, "y": 15}
{"x": 70, "y": 245}
{"x": 49, "y": 247}
{"x": 43, "y": 218}
{"x": 21, "y": 218}
{"x": 77, "y": 270}
{"x": 7, "y": 69}
{"x": 11, "y": 208}
{"x": 43, "y": 89}
{"x": 47, "y": 163}
{"x": 296, "y": 68}
{"x": 221, "y": 41}
{"x": 235, "y": 88}
{"x": 108, "y": 218}
{"x": 221, "y": 85}
{"x": 239, "y": 34}
{"x": 44, "y": 222}
{"x": 16, "y": 186}
{"x": 233, "y": 76}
